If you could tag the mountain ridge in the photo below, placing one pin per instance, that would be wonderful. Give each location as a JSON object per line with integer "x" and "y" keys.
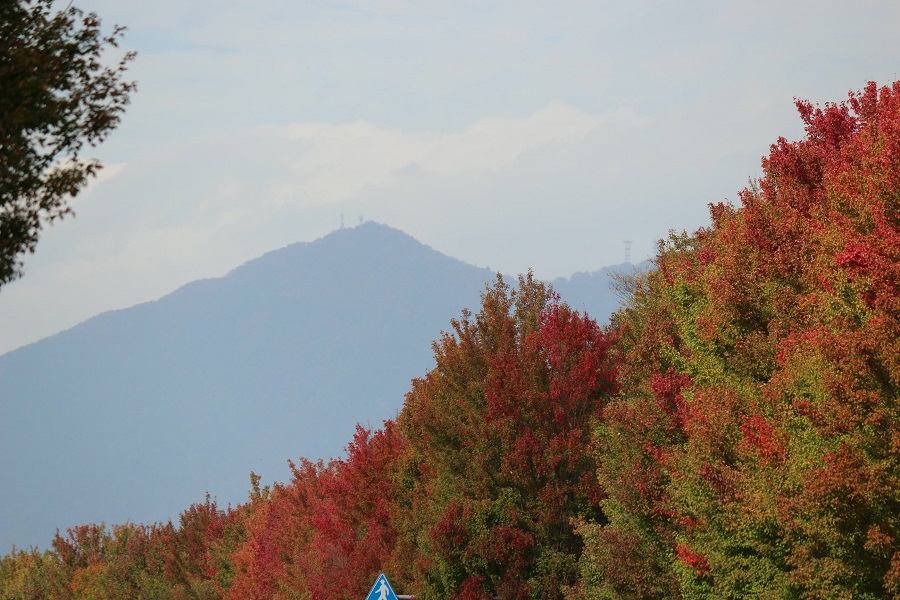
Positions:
{"x": 139, "y": 412}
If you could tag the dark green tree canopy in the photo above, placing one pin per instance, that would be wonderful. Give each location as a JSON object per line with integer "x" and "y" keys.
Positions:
{"x": 56, "y": 96}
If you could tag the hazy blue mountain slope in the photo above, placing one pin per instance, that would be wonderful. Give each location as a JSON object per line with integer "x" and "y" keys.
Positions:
{"x": 593, "y": 292}
{"x": 137, "y": 413}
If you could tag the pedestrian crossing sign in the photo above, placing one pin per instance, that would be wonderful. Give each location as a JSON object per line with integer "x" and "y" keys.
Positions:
{"x": 381, "y": 590}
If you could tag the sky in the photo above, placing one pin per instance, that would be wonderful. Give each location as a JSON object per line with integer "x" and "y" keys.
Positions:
{"x": 510, "y": 135}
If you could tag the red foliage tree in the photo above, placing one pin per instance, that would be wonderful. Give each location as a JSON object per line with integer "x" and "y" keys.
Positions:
{"x": 330, "y": 531}
{"x": 498, "y": 462}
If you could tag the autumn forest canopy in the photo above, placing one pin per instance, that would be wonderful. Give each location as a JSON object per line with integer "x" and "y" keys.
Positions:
{"x": 733, "y": 431}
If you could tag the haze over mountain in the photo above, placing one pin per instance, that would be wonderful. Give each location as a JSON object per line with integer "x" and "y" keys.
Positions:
{"x": 135, "y": 414}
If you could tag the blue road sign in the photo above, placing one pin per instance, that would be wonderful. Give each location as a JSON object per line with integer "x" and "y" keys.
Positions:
{"x": 381, "y": 590}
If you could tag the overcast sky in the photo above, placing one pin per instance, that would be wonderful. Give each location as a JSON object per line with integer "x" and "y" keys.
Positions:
{"x": 507, "y": 134}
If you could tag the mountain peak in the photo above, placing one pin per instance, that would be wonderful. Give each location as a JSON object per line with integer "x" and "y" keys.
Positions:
{"x": 367, "y": 245}
{"x": 280, "y": 358}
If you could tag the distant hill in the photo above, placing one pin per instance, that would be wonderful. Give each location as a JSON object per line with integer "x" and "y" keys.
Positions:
{"x": 135, "y": 414}
{"x": 594, "y": 292}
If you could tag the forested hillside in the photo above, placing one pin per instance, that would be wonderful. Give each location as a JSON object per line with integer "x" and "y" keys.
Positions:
{"x": 732, "y": 433}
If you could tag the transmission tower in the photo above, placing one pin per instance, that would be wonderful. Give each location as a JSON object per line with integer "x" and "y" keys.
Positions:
{"x": 628, "y": 251}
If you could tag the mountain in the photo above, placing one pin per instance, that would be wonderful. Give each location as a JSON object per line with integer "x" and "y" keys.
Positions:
{"x": 137, "y": 413}
{"x": 594, "y": 292}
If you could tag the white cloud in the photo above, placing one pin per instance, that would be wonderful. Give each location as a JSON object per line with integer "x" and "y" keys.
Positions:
{"x": 108, "y": 172}
{"x": 340, "y": 163}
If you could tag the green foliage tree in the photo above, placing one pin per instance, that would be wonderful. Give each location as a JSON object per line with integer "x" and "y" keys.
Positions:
{"x": 193, "y": 560}
{"x": 32, "y": 574}
{"x": 57, "y": 97}
{"x": 753, "y": 450}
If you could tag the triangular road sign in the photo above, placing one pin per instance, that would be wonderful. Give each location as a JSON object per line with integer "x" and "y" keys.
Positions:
{"x": 381, "y": 590}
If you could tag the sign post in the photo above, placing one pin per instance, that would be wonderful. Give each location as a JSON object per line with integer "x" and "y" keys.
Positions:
{"x": 382, "y": 590}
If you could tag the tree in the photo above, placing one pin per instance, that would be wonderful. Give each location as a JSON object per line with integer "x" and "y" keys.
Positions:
{"x": 498, "y": 462}
{"x": 753, "y": 449}
{"x": 57, "y": 97}
{"x": 329, "y": 532}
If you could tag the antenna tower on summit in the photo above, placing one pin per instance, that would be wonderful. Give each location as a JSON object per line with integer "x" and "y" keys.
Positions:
{"x": 628, "y": 251}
